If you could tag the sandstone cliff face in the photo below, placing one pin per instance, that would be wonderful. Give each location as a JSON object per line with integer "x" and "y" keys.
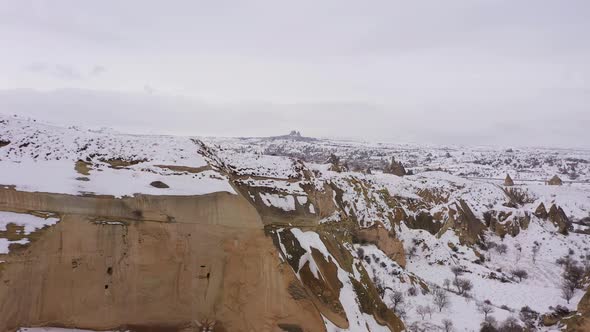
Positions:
{"x": 161, "y": 263}
{"x": 385, "y": 241}
{"x": 173, "y": 263}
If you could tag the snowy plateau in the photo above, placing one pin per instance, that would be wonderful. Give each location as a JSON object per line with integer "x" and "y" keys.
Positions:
{"x": 104, "y": 231}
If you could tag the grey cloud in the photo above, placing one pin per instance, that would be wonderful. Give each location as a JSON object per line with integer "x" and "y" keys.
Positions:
{"x": 486, "y": 72}
{"x": 97, "y": 70}
{"x": 60, "y": 71}
{"x": 64, "y": 71}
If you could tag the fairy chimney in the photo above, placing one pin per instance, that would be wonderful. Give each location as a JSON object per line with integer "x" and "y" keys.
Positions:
{"x": 395, "y": 167}
{"x": 508, "y": 181}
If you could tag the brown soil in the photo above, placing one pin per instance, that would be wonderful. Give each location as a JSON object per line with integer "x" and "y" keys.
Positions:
{"x": 178, "y": 168}
{"x": 121, "y": 163}
{"x": 83, "y": 167}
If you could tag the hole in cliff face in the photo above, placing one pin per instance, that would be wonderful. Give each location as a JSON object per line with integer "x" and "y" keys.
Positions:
{"x": 109, "y": 270}
{"x": 137, "y": 214}
{"x": 202, "y": 266}
{"x": 106, "y": 286}
{"x": 290, "y": 328}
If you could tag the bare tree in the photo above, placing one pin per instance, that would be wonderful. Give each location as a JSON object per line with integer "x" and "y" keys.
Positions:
{"x": 536, "y": 249}
{"x": 574, "y": 274}
{"x": 447, "y": 284}
{"x": 360, "y": 252}
{"x": 567, "y": 290}
{"x": 397, "y": 298}
{"x": 502, "y": 248}
{"x": 520, "y": 274}
{"x": 511, "y": 325}
{"x": 529, "y": 317}
{"x": 401, "y": 313}
{"x": 485, "y": 308}
{"x": 429, "y": 310}
{"x": 414, "y": 327}
{"x": 440, "y": 298}
{"x": 411, "y": 253}
{"x": 457, "y": 271}
{"x": 447, "y": 325}
{"x": 566, "y": 261}
{"x": 380, "y": 287}
{"x": 463, "y": 285}
{"x": 422, "y": 311}
{"x": 489, "y": 324}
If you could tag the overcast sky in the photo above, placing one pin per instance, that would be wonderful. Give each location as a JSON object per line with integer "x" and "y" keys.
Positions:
{"x": 453, "y": 72}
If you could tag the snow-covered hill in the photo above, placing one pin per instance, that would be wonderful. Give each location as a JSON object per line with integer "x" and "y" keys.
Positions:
{"x": 45, "y": 158}
{"x": 371, "y": 242}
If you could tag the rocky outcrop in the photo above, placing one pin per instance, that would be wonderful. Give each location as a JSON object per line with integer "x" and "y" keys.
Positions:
{"x": 506, "y": 223}
{"x": 424, "y": 221}
{"x": 541, "y": 211}
{"x": 395, "y": 168}
{"x": 558, "y": 217}
{"x": 178, "y": 262}
{"x": 325, "y": 287}
{"x": 385, "y": 241}
{"x": 335, "y": 165}
{"x": 160, "y": 263}
{"x": 465, "y": 223}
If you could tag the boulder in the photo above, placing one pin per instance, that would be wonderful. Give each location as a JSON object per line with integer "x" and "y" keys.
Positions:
{"x": 159, "y": 184}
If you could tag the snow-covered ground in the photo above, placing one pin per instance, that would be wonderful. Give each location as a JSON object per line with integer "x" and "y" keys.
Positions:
{"x": 526, "y": 164}
{"x": 434, "y": 258}
{"x": 44, "y": 158}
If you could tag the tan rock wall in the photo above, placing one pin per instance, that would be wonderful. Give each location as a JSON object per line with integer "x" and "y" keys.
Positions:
{"x": 204, "y": 258}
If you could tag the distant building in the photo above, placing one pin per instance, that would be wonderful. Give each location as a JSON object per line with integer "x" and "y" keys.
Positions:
{"x": 555, "y": 181}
